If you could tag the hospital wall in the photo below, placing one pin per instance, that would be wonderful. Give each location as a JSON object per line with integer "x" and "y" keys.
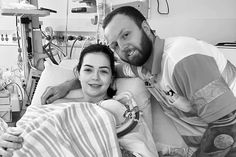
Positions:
{"x": 210, "y": 20}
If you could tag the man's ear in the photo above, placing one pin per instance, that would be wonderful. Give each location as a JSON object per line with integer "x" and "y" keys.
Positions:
{"x": 76, "y": 73}
{"x": 146, "y": 28}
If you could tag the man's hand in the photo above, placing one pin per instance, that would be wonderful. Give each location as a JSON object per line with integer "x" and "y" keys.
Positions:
{"x": 54, "y": 93}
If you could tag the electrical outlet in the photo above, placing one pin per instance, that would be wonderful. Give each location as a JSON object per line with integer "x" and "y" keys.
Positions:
{"x": 2, "y": 37}
{"x": 8, "y": 38}
{"x": 23, "y": 83}
{"x": 67, "y": 39}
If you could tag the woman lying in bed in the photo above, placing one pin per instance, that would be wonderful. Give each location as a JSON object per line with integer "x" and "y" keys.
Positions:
{"x": 95, "y": 71}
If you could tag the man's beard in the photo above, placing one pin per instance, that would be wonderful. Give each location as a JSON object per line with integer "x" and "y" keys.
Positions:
{"x": 145, "y": 51}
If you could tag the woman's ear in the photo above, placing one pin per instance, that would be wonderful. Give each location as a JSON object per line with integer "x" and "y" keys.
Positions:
{"x": 78, "y": 75}
{"x": 146, "y": 28}
{"x": 112, "y": 80}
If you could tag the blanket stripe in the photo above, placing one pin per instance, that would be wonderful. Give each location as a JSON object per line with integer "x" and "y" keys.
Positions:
{"x": 77, "y": 129}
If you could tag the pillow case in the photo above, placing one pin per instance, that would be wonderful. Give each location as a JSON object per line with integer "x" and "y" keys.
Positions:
{"x": 52, "y": 75}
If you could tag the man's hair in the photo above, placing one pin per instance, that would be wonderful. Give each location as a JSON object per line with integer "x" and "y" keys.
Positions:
{"x": 129, "y": 11}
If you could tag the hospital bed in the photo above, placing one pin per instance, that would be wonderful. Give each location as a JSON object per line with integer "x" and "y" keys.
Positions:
{"x": 55, "y": 74}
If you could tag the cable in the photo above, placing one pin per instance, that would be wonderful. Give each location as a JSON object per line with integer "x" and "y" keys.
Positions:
{"x": 17, "y": 35}
{"x": 67, "y": 12}
{"x": 50, "y": 55}
{"x": 158, "y": 8}
{"x": 84, "y": 43}
{"x": 28, "y": 98}
{"x": 21, "y": 92}
{"x": 5, "y": 113}
{"x": 59, "y": 57}
{"x": 42, "y": 32}
{"x": 50, "y": 39}
{"x": 79, "y": 38}
{"x": 19, "y": 59}
{"x": 59, "y": 49}
{"x": 72, "y": 46}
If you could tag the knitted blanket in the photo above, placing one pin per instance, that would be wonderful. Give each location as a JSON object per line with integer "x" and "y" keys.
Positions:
{"x": 77, "y": 129}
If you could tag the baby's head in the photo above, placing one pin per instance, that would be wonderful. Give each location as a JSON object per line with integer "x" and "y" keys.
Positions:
{"x": 125, "y": 112}
{"x": 116, "y": 108}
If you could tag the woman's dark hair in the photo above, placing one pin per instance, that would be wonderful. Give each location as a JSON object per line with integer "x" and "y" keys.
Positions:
{"x": 129, "y": 11}
{"x": 99, "y": 48}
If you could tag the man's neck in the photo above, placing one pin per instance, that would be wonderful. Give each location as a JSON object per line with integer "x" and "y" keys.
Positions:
{"x": 157, "y": 47}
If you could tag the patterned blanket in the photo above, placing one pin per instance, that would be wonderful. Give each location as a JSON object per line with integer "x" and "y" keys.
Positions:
{"x": 76, "y": 129}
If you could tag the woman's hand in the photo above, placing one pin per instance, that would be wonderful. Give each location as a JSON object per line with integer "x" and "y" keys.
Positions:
{"x": 10, "y": 141}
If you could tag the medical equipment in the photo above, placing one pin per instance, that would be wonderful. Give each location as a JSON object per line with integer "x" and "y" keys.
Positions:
{"x": 32, "y": 50}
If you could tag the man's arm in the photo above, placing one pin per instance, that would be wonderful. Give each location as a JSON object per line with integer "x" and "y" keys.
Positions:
{"x": 124, "y": 70}
{"x": 198, "y": 78}
{"x": 219, "y": 138}
{"x": 56, "y": 92}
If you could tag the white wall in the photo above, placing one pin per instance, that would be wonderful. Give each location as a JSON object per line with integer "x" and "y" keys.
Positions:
{"x": 210, "y": 20}
{"x": 76, "y": 22}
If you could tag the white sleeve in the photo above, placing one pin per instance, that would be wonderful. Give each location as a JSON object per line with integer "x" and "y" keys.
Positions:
{"x": 127, "y": 70}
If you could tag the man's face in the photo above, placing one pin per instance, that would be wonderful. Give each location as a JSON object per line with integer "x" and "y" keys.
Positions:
{"x": 128, "y": 40}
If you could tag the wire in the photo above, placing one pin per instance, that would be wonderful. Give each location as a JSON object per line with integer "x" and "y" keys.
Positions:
{"x": 17, "y": 35}
{"x": 19, "y": 60}
{"x": 84, "y": 43}
{"x": 50, "y": 55}
{"x": 5, "y": 113}
{"x": 21, "y": 92}
{"x": 72, "y": 46}
{"x": 79, "y": 38}
{"x": 42, "y": 32}
{"x": 67, "y": 14}
{"x": 18, "y": 86}
{"x": 28, "y": 98}
{"x": 158, "y": 8}
{"x": 59, "y": 49}
{"x": 50, "y": 41}
{"x": 59, "y": 57}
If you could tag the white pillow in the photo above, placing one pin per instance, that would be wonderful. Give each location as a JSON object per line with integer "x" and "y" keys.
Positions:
{"x": 56, "y": 74}
{"x": 52, "y": 76}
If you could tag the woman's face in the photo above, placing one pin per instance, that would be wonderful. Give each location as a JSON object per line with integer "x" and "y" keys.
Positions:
{"x": 95, "y": 76}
